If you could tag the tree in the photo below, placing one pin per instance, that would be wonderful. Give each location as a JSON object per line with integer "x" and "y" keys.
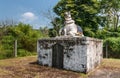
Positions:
{"x": 23, "y": 33}
{"x": 56, "y": 23}
{"x": 44, "y": 31}
{"x": 26, "y": 36}
{"x": 8, "y": 22}
{"x": 111, "y": 8}
{"x": 5, "y": 44}
{"x": 84, "y": 12}
{"x": 4, "y": 25}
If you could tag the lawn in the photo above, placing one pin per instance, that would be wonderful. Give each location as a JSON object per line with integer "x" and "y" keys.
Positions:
{"x": 27, "y": 67}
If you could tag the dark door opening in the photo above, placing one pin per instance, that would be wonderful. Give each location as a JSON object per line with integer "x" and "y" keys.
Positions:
{"x": 57, "y": 56}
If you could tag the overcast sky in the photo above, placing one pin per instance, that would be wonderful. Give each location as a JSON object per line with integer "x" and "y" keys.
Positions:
{"x": 27, "y": 11}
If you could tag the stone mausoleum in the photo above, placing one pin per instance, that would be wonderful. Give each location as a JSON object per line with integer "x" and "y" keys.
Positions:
{"x": 72, "y": 51}
{"x": 81, "y": 54}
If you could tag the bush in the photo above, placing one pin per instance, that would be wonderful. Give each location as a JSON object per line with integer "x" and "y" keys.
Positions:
{"x": 6, "y": 47}
{"x": 6, "y": 54}
{"x": 26, "y": 38}
{"x": 88, "y": 32}
{"x": 101, "y": 34}
{"x": 22, "y": 52}
{"x": 113, "y": 47}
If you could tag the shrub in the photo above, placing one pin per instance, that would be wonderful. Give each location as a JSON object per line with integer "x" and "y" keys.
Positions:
{"x": 88, "y": 32}
{"x": 6, "y": 54}
{"x": 22, "y": 52}
{"x": 113, "y": 47}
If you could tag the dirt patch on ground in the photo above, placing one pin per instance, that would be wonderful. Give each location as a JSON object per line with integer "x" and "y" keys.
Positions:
{"x": 105, "y": 73}
{"x": 27, "y": 67}
{"x": 110, "y": 68}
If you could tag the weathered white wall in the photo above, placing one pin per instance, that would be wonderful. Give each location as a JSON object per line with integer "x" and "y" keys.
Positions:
{"x": 44, "y": 55}
{"x": 77, "y": 60}
{"x": 82, "y": 55}
{"x": 94, "y": 53}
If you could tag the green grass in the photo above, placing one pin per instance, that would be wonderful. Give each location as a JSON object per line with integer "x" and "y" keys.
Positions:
{"x": 111, "y": 63}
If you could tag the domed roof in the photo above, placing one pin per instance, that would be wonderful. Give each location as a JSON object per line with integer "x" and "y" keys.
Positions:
{"x": 79, "y": 29}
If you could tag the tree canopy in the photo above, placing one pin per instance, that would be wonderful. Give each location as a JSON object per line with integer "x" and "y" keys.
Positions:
{"x": 84, "y": 12}
{"x": 25, "y": 35}
{"x": 111, "y": 10}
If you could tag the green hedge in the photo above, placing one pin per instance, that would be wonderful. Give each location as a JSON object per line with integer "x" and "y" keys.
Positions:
{"x": 113, "y": 47}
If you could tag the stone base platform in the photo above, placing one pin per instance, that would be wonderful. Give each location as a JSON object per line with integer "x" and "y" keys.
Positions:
{"x": 81, "y": 54}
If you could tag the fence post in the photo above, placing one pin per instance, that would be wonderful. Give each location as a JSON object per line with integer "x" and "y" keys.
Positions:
{"x": 106, "y": 49}
{"x": 15, "y": 48}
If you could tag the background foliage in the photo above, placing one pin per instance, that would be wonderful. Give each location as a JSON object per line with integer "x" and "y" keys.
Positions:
{"x": 98, "y": 19}
{"x": 26, "y": 38}
{"x": 113, "y": 45}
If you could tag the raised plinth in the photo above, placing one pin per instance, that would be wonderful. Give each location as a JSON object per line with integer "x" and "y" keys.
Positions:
{"x": 81, "y": 54}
